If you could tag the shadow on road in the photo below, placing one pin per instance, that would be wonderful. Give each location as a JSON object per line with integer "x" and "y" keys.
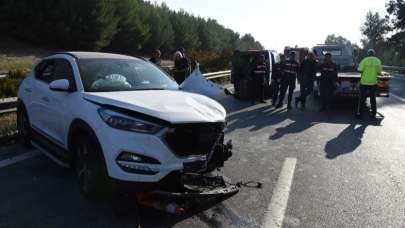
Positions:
{"x": 346, "y": 142}
{"x": 258, "y": 117}
{"x": 349, "y": 139}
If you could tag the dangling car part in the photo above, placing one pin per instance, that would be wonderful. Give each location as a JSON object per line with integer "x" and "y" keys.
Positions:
{"x": 194, "y": 190}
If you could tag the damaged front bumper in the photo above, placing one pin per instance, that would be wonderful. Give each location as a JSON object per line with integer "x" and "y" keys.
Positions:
{"x": 215, "y": 159}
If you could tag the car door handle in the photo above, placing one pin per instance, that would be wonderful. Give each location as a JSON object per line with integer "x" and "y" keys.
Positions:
{"x": 28, "y": 90}
{"x": 46, "y": 99}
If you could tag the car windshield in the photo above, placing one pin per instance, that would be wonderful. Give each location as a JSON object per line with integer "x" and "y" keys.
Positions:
{"x": 105, "y": 75}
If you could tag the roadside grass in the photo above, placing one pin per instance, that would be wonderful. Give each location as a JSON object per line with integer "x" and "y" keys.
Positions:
{"x": 9, "y": 66}
{"x": 8, "y": 128}
{"x": 16, "y": 63}
{"x": 9, "y": 85}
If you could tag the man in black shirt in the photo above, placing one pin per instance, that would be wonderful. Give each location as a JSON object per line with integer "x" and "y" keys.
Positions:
{"x": 308, "y": 73}
{"x": 327, "y": 81}
{"x": 259, "y": 78}
{"x": 276, "y": 79}
{"x": 156, "y": 57}
{"x": 290, "y": 72}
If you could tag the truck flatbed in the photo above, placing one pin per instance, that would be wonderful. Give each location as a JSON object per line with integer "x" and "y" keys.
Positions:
{"x": 349, "y": 85}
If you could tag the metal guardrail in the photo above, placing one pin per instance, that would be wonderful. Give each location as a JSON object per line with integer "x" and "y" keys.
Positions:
{"x": 398, "y": 69}
{"x": 9, "y": 105}
{"x": 220, "y": 74}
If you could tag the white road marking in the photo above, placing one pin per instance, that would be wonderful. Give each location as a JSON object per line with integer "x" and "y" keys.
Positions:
{"x": 16, "y": 159}
{"x": 397, "y": 97}
{"x": 278, "y": 204}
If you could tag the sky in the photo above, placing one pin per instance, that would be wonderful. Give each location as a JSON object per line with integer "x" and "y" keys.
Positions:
{"x": 280, "y": 23}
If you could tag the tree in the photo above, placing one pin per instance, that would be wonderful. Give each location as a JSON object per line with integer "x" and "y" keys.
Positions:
{"x": 161, "y": 29}
{"x": 74, "y": 24}
{"x": 123, "y": 26}
{"x": 374, "y": 29}
{"x": 339, "y": 40}
{"x": 132, "y": 31}
{"x": 396, "y": 11}
{"x": 185, "y": 30}
{"x": 248, "y": 42}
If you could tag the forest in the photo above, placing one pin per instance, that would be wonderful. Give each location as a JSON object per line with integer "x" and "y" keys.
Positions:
{"x": 121, "y": 26}
{"x": 384, "y": 32}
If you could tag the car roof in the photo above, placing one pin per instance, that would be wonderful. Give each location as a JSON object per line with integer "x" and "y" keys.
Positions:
{"x": 94, "y": 55}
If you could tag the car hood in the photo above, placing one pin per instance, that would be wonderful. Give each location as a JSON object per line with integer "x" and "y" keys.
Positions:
{"x": 171, "y": 106}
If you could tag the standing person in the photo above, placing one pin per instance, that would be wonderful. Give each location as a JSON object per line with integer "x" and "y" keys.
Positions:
{"x": 236, "y": 72}
{"x": 156, "y": 57}
{"x": 259, "y": 78}
{"x": 186, "y": 60}
{"x": 194, "y": 65}
{"x": 308, "y": 71}
{"x": 276, "y": 79}
{"x": 327, "y": 81}
{"x": 290, "y": 72}
{"x": 370, "y": 67}
{"x": 181, "y": 67}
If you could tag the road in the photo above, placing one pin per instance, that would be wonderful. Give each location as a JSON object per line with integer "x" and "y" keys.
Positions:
{"x": 317, "y": 169}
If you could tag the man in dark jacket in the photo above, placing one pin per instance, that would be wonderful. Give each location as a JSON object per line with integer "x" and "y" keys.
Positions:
{"x": 186, "y": 60}
{"x": 327, "y": 81}
{"x": 156, "y": 57}
{"x": 290, "y": 71}
{"x": 308, "y": 73}
{"x": 259, "y": 78}
{"x": 276, "y": 79}
{"x": 237, "y": 71}
{"x": 181, "y": 67}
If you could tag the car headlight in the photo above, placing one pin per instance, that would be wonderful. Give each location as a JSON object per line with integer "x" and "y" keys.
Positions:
{"x": 127, "y": 123}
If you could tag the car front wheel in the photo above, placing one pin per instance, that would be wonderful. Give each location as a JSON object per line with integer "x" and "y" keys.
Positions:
{"x": 89, "y": 168}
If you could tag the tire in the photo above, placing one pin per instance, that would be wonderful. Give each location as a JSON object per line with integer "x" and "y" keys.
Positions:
{"x": 90, "y": 168}
{"x": 23, "y": 126}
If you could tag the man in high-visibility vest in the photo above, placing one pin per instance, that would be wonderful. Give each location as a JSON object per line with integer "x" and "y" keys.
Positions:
{"x": 370, "y": 67}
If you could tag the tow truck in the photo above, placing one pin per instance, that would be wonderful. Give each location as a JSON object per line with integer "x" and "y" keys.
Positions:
{"x": 348, "y": 84}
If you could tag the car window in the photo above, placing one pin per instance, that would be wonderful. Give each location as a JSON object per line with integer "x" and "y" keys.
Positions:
{"x": 63, "y": 70}
{"x": 45, "y": 71}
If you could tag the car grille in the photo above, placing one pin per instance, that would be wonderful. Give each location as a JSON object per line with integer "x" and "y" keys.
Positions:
{"x": 193, "y": 139}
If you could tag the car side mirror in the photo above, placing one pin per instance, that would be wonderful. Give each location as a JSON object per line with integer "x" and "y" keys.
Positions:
{"x": 62, "y": 85}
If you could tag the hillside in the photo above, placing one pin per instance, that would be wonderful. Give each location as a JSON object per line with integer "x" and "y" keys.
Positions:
{"x": 18, "y": 55}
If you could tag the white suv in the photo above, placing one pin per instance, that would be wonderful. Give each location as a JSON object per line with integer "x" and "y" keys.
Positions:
{"x": 119, "y": 119}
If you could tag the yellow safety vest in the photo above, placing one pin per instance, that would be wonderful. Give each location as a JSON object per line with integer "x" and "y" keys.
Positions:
{"x": 370, "y": 68}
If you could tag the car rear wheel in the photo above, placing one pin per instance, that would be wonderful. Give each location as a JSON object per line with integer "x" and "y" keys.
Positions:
{"x": 89, "y": 168}
{"x": 23, "y": 126}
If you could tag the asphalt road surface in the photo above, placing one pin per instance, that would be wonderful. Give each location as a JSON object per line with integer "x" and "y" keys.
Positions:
{"x": 317, "y": 169}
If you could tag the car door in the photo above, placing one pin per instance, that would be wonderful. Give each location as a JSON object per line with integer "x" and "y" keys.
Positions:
{"x": 40, "y": 101}
{"x": 61, "y": 102}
